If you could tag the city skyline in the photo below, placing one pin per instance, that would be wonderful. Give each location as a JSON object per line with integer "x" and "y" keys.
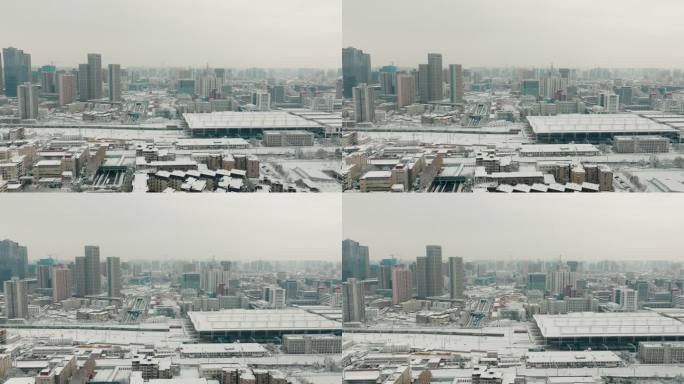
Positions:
{"x": 341, "y": 191}
{"x": 254, "y": 34}
{"x": 483, "y": 33}
{"x": 147, "y": 229}
{"x": 519, "y": 229}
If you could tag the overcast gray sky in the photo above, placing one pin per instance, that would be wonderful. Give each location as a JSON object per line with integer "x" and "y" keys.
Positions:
{"x": 223, "y": 33}
{"x": 489, "y": 226}
{"x": 236, "y": 226}
{"x": 577, "y": 33}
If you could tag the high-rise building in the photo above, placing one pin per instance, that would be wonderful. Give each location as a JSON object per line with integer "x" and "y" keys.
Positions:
{"x": 435, "y": 75}
{"x": 2, "y": 77}
{"x": 641, "y": 287}
{"x": 291, "y": 289}
{"x": 61, "y": 284}
{"x": 433, "y": 254}
{"x": 88, "y": 276}
{"x": 114, "y": 82}
{"x": 609, "y": 101}
{"x": 530, "y": 87}
{"x": 356, "y": 69}
{"x": 13, "y": 260}
{"x": 277, "y": 94}
{"x": 421, "y": 277}
{"x": 83, "y": 82}
{"x": 209, "y": 87}
{"x": 625, "y": 95}
{"x": 573, "y": 266}
{"x": 456, "y": 83}
{"x": 388, "y": 83}
{"x": 276, "y": 297}
{"x": 627, "y": 298}
{"x": 212, "y": 278}
{"x": 364, "y": 104}
{"x": 401, "y": 284}
{"x": 355, "y": 260}
{"x": 558, "y": 280}
{"x": 423, "y": 84}
{"x": 262, "y": 101}
{"x": 536, "y": 281}
{"x": 406, "y": 90}
{"x": 551, "y": 87}
{"x": 456, "y": 278}
{"x": 354, "y": 308}
{"x": 28, "y": 101}
{"x": 94, "y": 76}
{"x": 16, "y": 299}
{"x": 44, "y": 275}
{"x": 17, "y": 67}
{"x": 429, "y": 281}
{"x": 190, "y": 280}
{"x": 48, "y": 79}
{"x": 113, "y": 277}
{"x": 385, "y": 276}
{"x": 186, "y": 86}
{"x": 66, "y": 87}
{"x": 79, "y": 276}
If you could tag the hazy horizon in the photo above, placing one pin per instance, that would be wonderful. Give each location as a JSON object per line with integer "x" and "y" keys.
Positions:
{"x": 148, "y": 227}
{"x": 173, "y": 33}
{"x": 522, "y": 33}
{"x": 515, "y": 227}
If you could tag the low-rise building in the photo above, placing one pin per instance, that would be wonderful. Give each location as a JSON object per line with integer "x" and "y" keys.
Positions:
{"x": 657, "y": 352}
{"x": 312, "y": 344}
{"x": 47, "y": 168}
{"x": 641, "y": 144}
{"x": 376, "y": 181}
{"x": 222, "y": 350}
{"x": 572, "y": 359}
{"x": 288, "y": 138}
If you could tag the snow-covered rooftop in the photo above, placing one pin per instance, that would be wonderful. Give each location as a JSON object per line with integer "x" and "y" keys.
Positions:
{"x": 598, "y": 123}
{"x": 272, "y": 319}
{"x": 587, "y": 324}
{"x": 247, "y": 120}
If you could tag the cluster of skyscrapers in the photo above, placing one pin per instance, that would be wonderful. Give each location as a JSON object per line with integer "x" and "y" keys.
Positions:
{"x": 85, "y": 83}
{"x": 424, "y": 84}
{"x": 82, "y": 278}
{"x": 423, "y": 279}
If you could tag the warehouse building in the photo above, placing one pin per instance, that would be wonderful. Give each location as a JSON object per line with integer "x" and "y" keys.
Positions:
{"x": 260, "y": 325}
{"x": 596, "y": 128}
{"x": 614, "y": 330}
{"x": 246, "y": 124}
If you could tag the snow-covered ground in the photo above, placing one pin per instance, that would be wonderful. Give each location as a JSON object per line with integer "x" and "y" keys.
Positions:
{"x": 511, "y": 342}
{"x": 100, "y": 133}
{"x": 513, "y": 141}
{"x": 173, "y": 338}
{"x": 658, "y": 180}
